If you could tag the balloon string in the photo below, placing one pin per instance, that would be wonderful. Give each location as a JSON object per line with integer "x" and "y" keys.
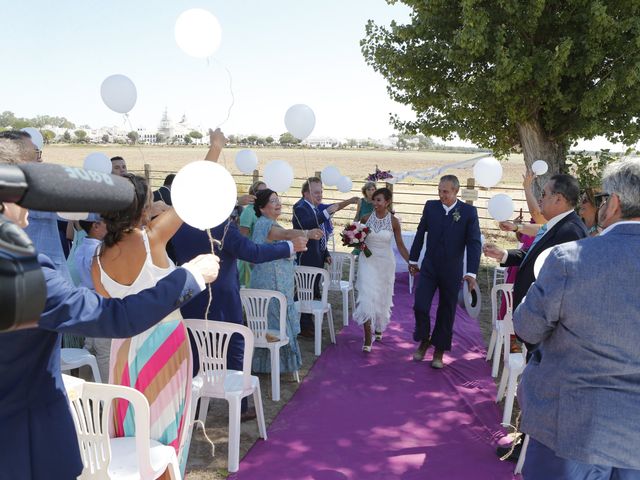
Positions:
{"x": 233, "y": 98}
{"x": 214, "y": 243}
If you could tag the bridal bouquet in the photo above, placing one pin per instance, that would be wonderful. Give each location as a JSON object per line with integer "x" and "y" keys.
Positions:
{"x": 354, "y": 235}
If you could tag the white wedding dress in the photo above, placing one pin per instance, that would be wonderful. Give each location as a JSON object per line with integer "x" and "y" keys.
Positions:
{"x": 376, "y": 275}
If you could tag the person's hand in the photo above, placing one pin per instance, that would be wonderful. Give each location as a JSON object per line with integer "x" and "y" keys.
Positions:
{"x": 157, "y": 208}
{"x": 413, "y": 269}
{"x": 246, "y": 200}
{"x": 217, "y": 138}
{"x": 527, "y": 179}
{"x": 315, "y": 234}
{"x": 507, "y": 226}
{"x": 208, "y": 265}
{"x": 471, "y": 282}
{"x": 328, "y": 260}
{"x": 299, "y": 244}
{"x": 492, "y": 251}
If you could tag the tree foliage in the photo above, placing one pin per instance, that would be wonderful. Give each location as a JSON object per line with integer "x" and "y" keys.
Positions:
{"x": 8, "y": 119}
{"x": 534, "y": 75}
{"x": 81, "y": 135}
{"x": 195, "y": 134}
{"x": 288, "y": 139}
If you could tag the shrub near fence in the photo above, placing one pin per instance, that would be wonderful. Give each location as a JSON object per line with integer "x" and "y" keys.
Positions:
{"x": 408, "y": 198}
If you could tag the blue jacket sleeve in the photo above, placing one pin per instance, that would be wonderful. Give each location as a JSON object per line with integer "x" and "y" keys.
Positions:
{"x": 418, "y": 241}
{"x": 81, "y": 311}
{"x": 241, "y": 247}
{"x": 304, "y": 217}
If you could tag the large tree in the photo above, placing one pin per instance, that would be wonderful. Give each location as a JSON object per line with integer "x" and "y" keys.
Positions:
{"x": 514, "y": 75}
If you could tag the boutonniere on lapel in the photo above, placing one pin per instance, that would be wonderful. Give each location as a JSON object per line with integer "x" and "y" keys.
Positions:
{"x": 456, "y": 215}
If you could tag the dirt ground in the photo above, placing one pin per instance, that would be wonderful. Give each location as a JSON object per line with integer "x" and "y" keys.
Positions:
{"x": 201, "y": 466}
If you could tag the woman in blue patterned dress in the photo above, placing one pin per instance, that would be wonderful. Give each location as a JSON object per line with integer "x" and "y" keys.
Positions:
{"x": 277, "y": 275}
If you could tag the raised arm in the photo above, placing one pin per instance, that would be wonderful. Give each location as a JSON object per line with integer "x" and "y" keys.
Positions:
{"x": 217, "y": 142}
{"x": 279, "y": 233}
{"x": 334, "y": 207}
{"x": 532, "y": 201}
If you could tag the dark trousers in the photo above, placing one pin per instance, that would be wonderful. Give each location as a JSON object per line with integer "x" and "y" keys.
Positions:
{"x": 448, "y": 288}
{"x": 541, "y": 463}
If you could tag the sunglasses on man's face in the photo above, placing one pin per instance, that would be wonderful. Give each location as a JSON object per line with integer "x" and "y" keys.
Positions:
{"x": 601, "y": 198}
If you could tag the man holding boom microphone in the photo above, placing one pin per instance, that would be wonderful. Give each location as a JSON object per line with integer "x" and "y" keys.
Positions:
{"x": 37, "y": 435}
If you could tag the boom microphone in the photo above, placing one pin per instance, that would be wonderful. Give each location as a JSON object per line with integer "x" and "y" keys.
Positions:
{"x": 57, "y": 188}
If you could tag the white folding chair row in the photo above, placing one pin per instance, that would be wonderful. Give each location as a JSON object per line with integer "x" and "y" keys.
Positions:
{"x": 212, "y": 340}
{"x": 499, "y": 275}
{"x": 256, "y": 307}
{"x": 339, "y": 284}
{"x": 502, "y": 291}
{"x": 305, "y": 280}
{"x": 71, "y": 358}
{"x": 103, "y": 457}
{"x": 513, "y": 366}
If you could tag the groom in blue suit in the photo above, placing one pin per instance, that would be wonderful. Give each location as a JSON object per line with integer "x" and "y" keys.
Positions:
{"x": 452, "y": 226}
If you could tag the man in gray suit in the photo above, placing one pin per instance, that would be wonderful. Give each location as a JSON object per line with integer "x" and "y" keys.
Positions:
{"x": 581, "y": 389}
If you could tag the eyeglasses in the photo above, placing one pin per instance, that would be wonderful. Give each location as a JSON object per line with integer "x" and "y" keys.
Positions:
{"x": 275, "y": 201}
{"x": 601, "y": 199}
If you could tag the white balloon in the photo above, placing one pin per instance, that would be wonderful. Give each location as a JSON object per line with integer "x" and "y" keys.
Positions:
{"x": 119, "y": 93}
{"x": 537, "y": 265}
{"x": 278, "y": 175}
{"x": 300, "y": 121}
{"x": 203, "y": 194}
{"x": 36, "y": 137}
{"x": 246, "y": 161}
{"x": 330, "y": 175}
{"x": 344, "y": 184}
{"x": 198, "y": 33}
{"x": 487, "y": 172}
{"x": 97, "y": 162}
{"x": 74, "y": 216}
{"x": 539, "y": 167}
{"x": 500, "y": 207}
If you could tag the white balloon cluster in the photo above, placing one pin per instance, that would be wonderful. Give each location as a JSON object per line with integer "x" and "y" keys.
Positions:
{"x": 487, "y": 172}
{"x": 204, "y": 194}
{"x": 331, "y": 177}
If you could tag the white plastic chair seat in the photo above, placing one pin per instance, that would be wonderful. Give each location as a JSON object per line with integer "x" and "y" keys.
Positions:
{"x": 233, "y": 385}
{"x": 124, "y": 461}
{"x": 71, "y": 358}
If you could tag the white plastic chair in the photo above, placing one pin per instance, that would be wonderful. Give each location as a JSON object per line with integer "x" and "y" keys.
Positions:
{"x": 499, "y": 275}
{"x": 523, "y": 454}
{"x": 337, "y": 284}
{"x": 256, "y": 308}
{"x": 494, "y": 350}
{"x": 71, "y": 358}
{"x": 103, "y": 457}
{"x": 212, "y": 339}
{"x": 513, "y": 366}
{"x": 305, "y": 278}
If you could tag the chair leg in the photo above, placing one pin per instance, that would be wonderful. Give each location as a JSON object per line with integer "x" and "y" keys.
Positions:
{"x": 332, "y": 331}
{"x": 510, "y": 396}
{"x": 234, "y": 434}
{"x": 174, "y": 470}
{"x": 275, "y": 374}
{"x": 317, "y": 322}
{"x": 257, "y": 401}
{"x": 523, "y": 454}
{"x": 503, "y": 383}
{"x": 345, "y": 307}
{"x": 94, "y": 369}
{"x": 204, "y": 409}
{"x": 296, "y": 375}
{"x": 353, "y": 299}
{"x": 492, "y": 345}
{"x": 497, "y": 354}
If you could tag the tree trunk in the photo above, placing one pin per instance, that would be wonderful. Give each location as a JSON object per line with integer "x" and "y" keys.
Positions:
{"x": 536, "y": 145}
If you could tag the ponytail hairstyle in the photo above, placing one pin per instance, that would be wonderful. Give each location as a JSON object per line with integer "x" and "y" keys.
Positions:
{"x": 124, "y": 221}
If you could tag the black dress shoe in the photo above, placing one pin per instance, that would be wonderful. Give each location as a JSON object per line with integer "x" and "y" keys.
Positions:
{"x": 307, "y": 333}
{"x": 511, "y": 457}
{"x": 250, "y": 414}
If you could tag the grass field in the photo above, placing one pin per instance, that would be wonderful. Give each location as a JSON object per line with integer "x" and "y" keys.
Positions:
{"x": 409, "y": 196}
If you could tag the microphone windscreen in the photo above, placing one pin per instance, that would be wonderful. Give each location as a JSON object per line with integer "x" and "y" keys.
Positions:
{"x": 58, "y": 188}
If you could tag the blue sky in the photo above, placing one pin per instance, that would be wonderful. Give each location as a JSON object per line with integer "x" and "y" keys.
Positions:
{"x": 279, "y": 53}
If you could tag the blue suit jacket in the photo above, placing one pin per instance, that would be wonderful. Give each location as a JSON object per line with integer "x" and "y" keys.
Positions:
{"x": 448, "y": 238}
{"x": 305, "y": 218}
{"x": 37, "y": 435}
{"x": 581, "y": 389}
{"x": 226, "y": 306}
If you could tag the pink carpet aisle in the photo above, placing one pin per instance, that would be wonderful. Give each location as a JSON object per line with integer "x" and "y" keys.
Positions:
{"x": 383, "y": 416}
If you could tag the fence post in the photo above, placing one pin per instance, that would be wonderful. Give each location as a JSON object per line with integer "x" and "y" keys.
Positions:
{"x": 471, "y": 185}
{"x": 147, "y": 173}
{"x": 318, "y": 174}
{"x": 256, "y": 176}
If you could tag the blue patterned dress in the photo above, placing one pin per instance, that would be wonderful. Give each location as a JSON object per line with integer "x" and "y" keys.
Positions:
{"x": 276, "y": 275}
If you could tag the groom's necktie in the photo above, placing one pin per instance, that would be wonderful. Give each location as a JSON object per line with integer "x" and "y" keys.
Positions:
{"x": 539, "y": 235}
{"x": 323, "y": 239}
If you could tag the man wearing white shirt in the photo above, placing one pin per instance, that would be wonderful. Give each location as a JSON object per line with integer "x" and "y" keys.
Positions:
{"x": 580, "y": 391}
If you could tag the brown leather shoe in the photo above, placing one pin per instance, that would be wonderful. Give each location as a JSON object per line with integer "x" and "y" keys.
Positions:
{"x": 250, "y": 414}
{"x": 419, "y": 354}
{"x": 307, "y": 333}
{"x": 437, "y": 359}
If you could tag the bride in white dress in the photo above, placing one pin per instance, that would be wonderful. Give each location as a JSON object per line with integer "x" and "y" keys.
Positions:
{"x": 376, "y": 274}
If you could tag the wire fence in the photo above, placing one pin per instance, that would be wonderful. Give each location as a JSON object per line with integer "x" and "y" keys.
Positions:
{"x": 408, "y": 198}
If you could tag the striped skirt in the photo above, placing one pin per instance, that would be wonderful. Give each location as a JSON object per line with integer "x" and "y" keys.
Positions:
{"x": 157, "y": 363}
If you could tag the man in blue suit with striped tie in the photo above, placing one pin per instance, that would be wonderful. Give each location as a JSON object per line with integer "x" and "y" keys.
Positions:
{"x": 452, "y": 226}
